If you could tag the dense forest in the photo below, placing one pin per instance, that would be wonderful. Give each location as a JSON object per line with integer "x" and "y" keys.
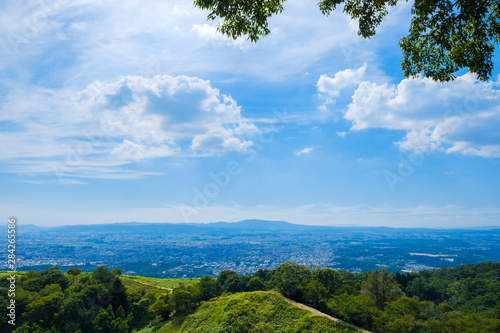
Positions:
{"x": 461, "y": 299}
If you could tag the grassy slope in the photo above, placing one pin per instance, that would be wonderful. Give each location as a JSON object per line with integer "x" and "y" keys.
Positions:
{"x": 251, "y": 312}
{"x": 138, "y": 283}
{"x": 165, "y": 283}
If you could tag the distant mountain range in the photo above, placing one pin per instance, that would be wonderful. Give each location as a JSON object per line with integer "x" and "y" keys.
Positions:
{"x": 141, "y": 227}
{"x": 241, "y": 226}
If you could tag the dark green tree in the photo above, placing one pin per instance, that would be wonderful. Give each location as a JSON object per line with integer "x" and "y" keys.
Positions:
{"x": 35, "y": 328}
{"x": 329, "y": 278}
{"x": 97, "y": 295}
{"x": 288, "y": 277}
{"x": 53, "y": 275}
{"x": 161, "y": 308}
{"x": 381, "y": 287}
{"x": 264, "y": 274}
{"x": 120, "y": 312}
{"x": 102, "y": 322}
{"x": 358, "y": 310}
{"x": 103, "y": 275}
{"x": 43, "y": 308}
{"x": 407, "y": 315}
{"x": 74, "y": 272}
{"x": 194, "y": 290}
{"x": 243, "y": 283}
{"x": 255, "y": 283}
{"x": 229, "y": 281}
{"x": 181, "y": 301}
{"x": 445, "y": 36}
{"x": 313, "y": 291}
{"x": 118, "y": 294}
{"x": 224, "y": 275}
{"x": 140, "y": 313}
{"x": 209, "y": 288}
{"x": 4, "y": 303}
{"x": 119, "y": 325}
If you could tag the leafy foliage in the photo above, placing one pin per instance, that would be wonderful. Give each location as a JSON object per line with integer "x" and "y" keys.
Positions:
{"x": 289, "y": 276}
{"x": 381, "y": 287}
{"x": 368, "y": 13}
{"x": 74, "y": 272}
{"x": 445, "y": 36}
{"x": 209, "y": 288}
{"x": 359, "y": 310}
{"x": 461, "y": 299}
{"x": 245, "y": 17}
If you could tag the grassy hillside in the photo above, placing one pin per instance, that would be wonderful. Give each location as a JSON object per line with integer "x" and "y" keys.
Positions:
{"x": 137, "y": 283}
{"x": 258, "y": 311}
{"x": 464, "y": 299}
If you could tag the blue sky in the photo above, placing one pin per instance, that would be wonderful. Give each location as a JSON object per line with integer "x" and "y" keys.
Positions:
{"x": 129, "y": 110}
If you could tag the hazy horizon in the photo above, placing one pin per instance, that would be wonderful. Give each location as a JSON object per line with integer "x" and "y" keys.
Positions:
{"x": 235, "y": 222}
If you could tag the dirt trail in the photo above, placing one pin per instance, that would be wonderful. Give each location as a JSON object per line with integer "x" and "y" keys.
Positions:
{"x": 152, "y": 285}
{"x": 319, "y": 313}
{"x": 299, "y": 305}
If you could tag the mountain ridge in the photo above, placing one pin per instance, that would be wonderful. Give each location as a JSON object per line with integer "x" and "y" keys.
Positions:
{"x": 243, "y": 225}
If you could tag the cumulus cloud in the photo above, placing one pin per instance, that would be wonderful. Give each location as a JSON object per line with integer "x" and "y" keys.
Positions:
{"x": 332, "y": 86}
{"x": 165, "y": 109}
{"x": 108, "y": 125}
{"x": 462, "y": 116}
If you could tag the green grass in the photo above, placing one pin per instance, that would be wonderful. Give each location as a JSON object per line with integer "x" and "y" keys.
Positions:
{"x": 254, "y": 312}
{"x": 165, "y": 283}
{"x": 151, "y": 328}
{"x": 134, "y": 286}
{"x": 136, "y": 283}
{"x": 10, "y": 272}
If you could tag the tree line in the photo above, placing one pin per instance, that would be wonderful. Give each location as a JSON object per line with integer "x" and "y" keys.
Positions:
{"x": 461, "y": 299}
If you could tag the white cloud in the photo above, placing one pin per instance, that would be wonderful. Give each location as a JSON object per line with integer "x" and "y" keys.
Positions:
{"x": 333, "y": 86}
{"x": 132, "y": 151}
{"x": 341, "y": 86}
{"x": 208, "y": 33}
{"x": 460, "y": 116}
{"x": 66, "y": 181}
{"x": 342, "y": 134}
{"x": 167, "y": 108}
{"x": 219, "y": 140}
{"x": 304, "y": 151}
{"x": 99, "y": 130}
{"x": 124, "y": 37}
